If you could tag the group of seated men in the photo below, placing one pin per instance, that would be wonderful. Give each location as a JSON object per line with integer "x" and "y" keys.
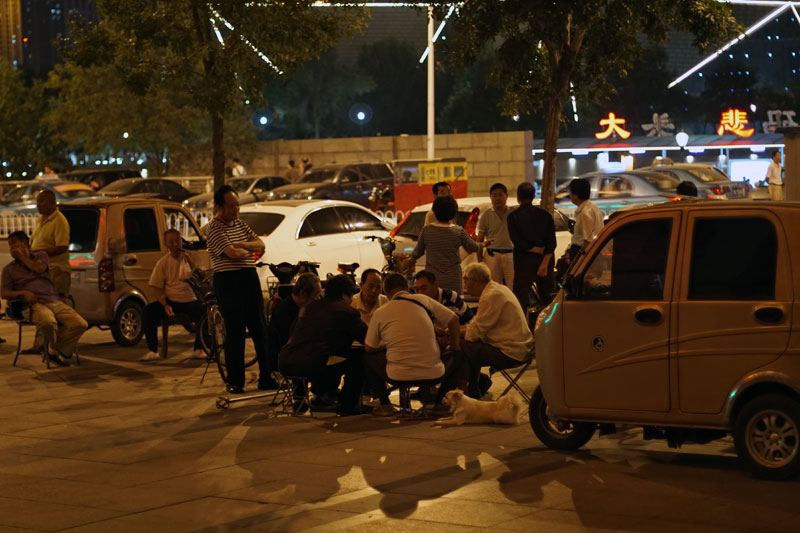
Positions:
{"x": 380, "y": 332}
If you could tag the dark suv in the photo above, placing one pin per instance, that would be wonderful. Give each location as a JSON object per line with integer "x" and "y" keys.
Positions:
{"x": 351, "y": 181}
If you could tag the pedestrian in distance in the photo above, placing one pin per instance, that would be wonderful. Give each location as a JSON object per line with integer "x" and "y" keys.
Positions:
{"x": 686, "y": 188}
{"x": 588, "y": 217}
{"x": 231, "y": 244}
{"x": 440, "y": 189}
{"x": 533, "y": 234}
{"x": 238, "y": 169}
{"x": 774, "y": 177}
{"x": 292, "y": 172}
{"x": 493, "y": 229}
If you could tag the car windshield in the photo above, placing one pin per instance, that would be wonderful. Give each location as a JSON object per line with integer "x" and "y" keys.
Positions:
{"x": 661, "y": 181}
{"x": 118, "y": 187}
{"x": 415, "y": 221}
{"x": 240, "y": 185}
{"x": 262, "y": 223}
{"x": 74, "y": 190}
{"x": 319, "y": 176}
{"x": 709, "y": 174}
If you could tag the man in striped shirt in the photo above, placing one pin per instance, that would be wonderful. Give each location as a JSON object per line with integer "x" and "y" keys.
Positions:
{"x": 425, "y": 283}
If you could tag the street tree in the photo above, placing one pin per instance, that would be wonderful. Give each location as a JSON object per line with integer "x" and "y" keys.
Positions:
{"x": 545, "y": 50}
{"x": 218, "y": 53}
{"x": 26, "y": 144}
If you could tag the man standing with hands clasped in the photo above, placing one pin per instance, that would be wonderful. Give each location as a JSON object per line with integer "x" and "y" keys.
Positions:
{"x": 533, "y": 233}
{"x": 774, "y": 178}
{"x": 493, "y": 227}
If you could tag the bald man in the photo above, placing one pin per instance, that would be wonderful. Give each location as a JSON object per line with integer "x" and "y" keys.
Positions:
{"x": 51, "y": 236}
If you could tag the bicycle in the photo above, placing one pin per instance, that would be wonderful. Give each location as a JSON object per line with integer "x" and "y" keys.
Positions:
{"x": 212, "y": 325}
{"x": 388, "y": 246}
{"x": 285, "y": 274}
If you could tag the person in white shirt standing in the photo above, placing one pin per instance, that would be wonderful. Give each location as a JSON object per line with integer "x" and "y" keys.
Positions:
{"x": 498, "y": 336}
{"x": 493, "y": 227}
{"x": 774, "y": 177}
{"x": 401, "y": 343}
{"x": 174, "y": 295}
{"x": 238, "y": 169}
{"x": 588, "y": 217}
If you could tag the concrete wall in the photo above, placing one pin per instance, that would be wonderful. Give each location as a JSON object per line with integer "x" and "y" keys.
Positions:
{"x": 497, "y": 156}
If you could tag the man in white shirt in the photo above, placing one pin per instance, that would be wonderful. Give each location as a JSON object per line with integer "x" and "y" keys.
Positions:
{"x": 174, "y": 295}
{"x": 498, "y": 336}
{"x": 441, "y": 188}
{"x": 493, "y": 227}
{"x": 774, "y": 178}
{"x": 401, "y": 343}
{"x": 238, "y": 169}
{"x": 369, "y": 297}
{"x": 588, "y": 217}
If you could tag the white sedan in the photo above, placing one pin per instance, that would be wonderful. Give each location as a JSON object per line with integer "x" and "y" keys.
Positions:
{"x": 325, "y": 231}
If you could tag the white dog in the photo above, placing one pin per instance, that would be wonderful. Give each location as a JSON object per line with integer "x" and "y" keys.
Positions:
{"x": 465, "y": 410}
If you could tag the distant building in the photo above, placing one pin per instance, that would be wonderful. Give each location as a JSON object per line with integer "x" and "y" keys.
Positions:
{"x": 30, "y": 30}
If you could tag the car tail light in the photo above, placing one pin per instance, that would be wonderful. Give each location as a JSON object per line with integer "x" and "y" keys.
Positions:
{"x": 471, "y": 225}
{"x": 105, "y": 275}
{"x": 393, "y": 233}
{"x": 720, "y": 190}
{"x": 257, "y": 255}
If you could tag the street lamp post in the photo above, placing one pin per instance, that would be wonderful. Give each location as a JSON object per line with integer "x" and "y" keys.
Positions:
{"x": 431, "y": 108}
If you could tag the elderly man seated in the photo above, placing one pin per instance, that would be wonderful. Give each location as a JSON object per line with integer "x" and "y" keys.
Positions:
{"x": 401, "y": 343}
{"x": 28, "y": 277}
{"x": 173, "y": 295}
{"x": 425, "y": 283}
{"x": 369, "y": 297}
{"x": 328, "y": 327}
{"x": 498, "y": 336}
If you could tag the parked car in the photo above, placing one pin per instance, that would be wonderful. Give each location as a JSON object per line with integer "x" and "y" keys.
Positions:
{"x": 352, "y": 182}
{"x": 24, "y": 196}
{"x": 612, "y": 191}
{"x": 656, "y": 327}
{"x": 97, "y": 178}
{"x": 250, "y": 190}
{"x": 469, "y": 209}
{"x": 711, "y": 182}
{"x": 149, "y": 187}
{"x": 323, "y": 231}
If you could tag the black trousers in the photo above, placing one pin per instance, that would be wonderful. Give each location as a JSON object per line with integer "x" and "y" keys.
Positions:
{"x": 456, "y": 370}
{"x": 480, "y": 354}
{"x": 523, "y": 279}
{"x": 154, "y": 314}
{"x": 242, "y": 306}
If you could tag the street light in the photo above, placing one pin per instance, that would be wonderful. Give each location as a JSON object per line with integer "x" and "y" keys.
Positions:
{"x": 682, "y": 138}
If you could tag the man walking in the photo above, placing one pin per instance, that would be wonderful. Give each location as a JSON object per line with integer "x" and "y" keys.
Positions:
{"x": 493, "y": 227}
{"x": 588, "y": 217}
{"x": 774, "y": 178}
{"x": 533, "y": 234}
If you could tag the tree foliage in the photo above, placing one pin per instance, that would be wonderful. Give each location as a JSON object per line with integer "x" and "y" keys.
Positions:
{"x": 546, "y": 50}
{"x": 26, "y": 144}
{"x": 174, "y": 45}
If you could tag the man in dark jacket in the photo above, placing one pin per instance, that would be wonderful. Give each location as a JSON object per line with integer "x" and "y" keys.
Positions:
{"x": 533, "y": 233}
{"x": 306, "y": 289}
{"x": 327, "y": 328}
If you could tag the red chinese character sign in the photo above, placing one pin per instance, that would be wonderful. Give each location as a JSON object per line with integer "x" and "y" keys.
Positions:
{"x": 734, "y": 121}
{"x": 613, "y": 125}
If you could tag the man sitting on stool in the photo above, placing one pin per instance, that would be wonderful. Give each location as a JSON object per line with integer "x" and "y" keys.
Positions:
{"x": 425, "y": 283}
{"x": 405, "y": 328}
{"x": 28, "y": 277}
{"x": 498, "y": 336}
{"x": 174, "y": 295}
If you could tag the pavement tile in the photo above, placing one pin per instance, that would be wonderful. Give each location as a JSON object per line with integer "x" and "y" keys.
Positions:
{"x": 48, "y": 517}
{"x": 468, "y": 513}
{"x": 555, "y": 521}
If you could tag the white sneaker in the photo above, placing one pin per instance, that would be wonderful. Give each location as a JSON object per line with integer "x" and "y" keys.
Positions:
{"x": 199, "y": 354}
{"x": 150, "y": 356}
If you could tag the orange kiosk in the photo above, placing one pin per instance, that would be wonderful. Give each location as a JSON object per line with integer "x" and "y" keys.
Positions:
{"x": 414, "y": 179}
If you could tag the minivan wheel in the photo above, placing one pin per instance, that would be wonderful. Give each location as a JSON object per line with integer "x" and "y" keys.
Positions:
{"x": 127, "y": 327}
{"x": 554, "y": 432}
{"x": 767, "y": 436}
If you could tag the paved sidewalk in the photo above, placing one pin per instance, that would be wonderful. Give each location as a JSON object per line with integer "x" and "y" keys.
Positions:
{"x": 118, "y": 445}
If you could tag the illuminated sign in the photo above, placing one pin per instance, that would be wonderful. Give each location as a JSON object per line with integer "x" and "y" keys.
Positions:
{"x": 613, "y": 125}
{"x": 734, "y": 121}
{"x": 777, "y": 118}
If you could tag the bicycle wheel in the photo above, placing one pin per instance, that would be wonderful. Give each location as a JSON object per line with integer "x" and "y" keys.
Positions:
{"x": 216, "y": 334}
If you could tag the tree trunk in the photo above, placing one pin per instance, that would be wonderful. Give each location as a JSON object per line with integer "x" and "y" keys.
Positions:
{"x": 218, "y": 150}
{"x": 550, "y": 146}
